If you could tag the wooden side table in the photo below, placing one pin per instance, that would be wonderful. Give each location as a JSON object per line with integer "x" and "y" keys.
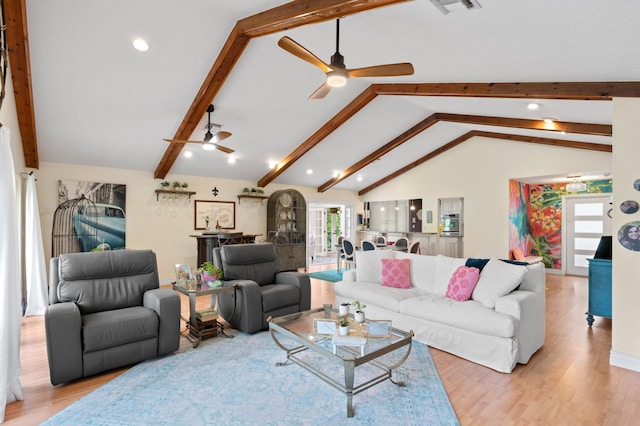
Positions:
{"x": 197, "y": 329}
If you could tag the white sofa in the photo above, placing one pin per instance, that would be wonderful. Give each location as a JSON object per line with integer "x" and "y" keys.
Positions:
{"x": 497, "y": 336}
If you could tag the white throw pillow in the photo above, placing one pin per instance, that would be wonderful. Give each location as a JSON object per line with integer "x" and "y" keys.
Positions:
{"x": 369, "y": 266}
{"x": 497, "y": 279}
{"x": 445, "y": 267}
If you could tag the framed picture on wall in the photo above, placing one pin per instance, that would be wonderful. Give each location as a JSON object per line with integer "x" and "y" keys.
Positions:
{"x": 210, "y": 214}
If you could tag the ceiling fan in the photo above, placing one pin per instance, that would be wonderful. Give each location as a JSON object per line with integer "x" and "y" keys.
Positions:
{"x": 337, "y": 73}
{"x": 211, "y": 139}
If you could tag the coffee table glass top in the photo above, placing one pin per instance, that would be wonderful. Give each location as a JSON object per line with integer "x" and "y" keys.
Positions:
{"x": 316, "y": 329}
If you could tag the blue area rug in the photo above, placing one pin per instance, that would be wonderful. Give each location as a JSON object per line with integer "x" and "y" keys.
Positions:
{"x": 332, "y": 275}
{"x": 236, "y": 382}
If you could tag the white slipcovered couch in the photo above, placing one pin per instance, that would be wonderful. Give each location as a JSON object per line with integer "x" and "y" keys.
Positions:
{"x": 501, "y": 325}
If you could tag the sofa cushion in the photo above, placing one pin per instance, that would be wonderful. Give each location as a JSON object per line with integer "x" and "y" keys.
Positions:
{"x": 368, "y": 265}
{"x": 277, "y": 296}
{"x": 469, "y": 315}
{"x": 462, "y": 283}
{"x": 102, "y": 281}
{"x": 445, "y": 267}
{"x": 423, "y": 270}
{"x": 497, "y": 279}
{"x": 395, "y": 273}
{"x": 256, "y": 262}
{"x": 374, "y": 294}
{"x": 108, "y": 329}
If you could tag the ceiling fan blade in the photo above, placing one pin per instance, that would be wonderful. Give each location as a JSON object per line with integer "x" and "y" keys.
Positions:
{"x": 297, "y": 50}
{"x": 224, "y": 149}
{"x": 219, "y": 137}
{"x": 388, "y": 70}
{"x": 321, "y": 92}
{"x": 181, "y": 141}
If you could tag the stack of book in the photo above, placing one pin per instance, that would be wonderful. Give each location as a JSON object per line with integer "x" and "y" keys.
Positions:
{"x": 207, "y": 315}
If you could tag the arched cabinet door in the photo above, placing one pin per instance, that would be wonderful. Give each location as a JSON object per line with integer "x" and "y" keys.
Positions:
{"x": 287, "y": 228}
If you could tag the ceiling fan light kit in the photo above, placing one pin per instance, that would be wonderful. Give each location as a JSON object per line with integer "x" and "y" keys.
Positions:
{"x": 336, "y": 78}
{"x": 337, "y": 73}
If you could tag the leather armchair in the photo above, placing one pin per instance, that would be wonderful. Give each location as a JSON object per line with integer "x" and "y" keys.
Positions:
{"x": 106, "y": 310}
{"x": 261, "y": 290}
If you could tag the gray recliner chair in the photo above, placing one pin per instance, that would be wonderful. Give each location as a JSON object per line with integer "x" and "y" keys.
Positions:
{"x": 106, "y": 311}
{"x": 262, "y": 291}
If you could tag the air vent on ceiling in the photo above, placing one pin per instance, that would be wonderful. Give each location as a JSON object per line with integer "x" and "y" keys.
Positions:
{"x": 213, "y": 127}
{"x": 446, "y": 6}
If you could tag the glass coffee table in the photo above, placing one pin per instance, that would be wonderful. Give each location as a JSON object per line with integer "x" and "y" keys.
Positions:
{"x": 315, "y": 330}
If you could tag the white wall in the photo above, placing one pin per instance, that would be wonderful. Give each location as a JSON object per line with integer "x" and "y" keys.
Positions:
{"x": 166, "y": 225}
{"x": 479, "y": 170}
{"x": 625, "y": 351}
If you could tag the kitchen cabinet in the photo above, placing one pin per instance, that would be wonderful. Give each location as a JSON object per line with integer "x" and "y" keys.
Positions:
{"x": 286, "y": 228}
{"x": 451, "y": 246}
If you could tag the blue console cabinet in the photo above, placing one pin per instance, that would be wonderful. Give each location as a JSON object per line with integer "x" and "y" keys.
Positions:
{"x": 599, "y": 289}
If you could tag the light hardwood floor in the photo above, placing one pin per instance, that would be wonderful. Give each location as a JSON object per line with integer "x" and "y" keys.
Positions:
{"x": 568, "y": 382}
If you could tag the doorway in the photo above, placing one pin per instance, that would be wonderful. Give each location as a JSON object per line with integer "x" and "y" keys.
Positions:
{"x": 586, "y": 220}
{"x": 327, "y": 222}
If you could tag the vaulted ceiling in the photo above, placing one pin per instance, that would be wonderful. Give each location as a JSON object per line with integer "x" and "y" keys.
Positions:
{"x": 85, "y": 96}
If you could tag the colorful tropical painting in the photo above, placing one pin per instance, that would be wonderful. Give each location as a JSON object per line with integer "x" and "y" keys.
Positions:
{"x": 535, "y": 218}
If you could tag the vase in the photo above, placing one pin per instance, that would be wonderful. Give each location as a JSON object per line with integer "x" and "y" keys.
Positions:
{"x": 344, "y": 330}
{"x": 208, "y": 278}
{"x": 359, "y": 316}
{"x": 343, "y": 309}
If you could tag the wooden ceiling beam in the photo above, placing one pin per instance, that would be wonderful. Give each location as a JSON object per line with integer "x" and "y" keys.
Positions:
{"x": 419, "y": 161}
{"x": 494, "y": 135}
{"x": 521, "y": 123}
{"x": 576, "y": 91}
{"x": 383, "y": 150}
{"x": 288, "y": 15}
{"x": 338, "y": 120}
{"x": 18, "y": 48}
{"x": 583, "y": 128}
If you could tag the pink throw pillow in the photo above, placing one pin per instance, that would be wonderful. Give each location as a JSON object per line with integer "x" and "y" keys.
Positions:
{"x": 462, "y": 283}
{"x": 395, "y": 273}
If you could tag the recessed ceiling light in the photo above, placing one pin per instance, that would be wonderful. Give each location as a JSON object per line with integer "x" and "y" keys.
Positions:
{"x": 533, "y": 105}
{"x": 231, "y": 160}
{"x": 187, "y": 154}
{"x": 359, "y": 178}
{"x": 549, "y": 120}
{"x": 272, "y": 164}
{"x": 141, "y": 45}
{"x": 309, "y": 171}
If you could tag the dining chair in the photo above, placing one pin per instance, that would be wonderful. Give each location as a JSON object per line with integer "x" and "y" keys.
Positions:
{"x": 401, "y": 243}
{"x": 348, "y": 252}
{"x": 367, "y": 245}
{"x": 414, "y": 247}
{"x": 381, "y": 240}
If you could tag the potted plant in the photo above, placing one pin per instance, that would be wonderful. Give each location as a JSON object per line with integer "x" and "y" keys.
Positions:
{"x": 185, "y": 185}
{"x": 175, "y": 185}
{"x": 165, "y": 184}
{"x": 344, "y": 308}
{"x": 359, "y": 314}
{"x": 344, "y": 326}
{"x": 210, "y": 272}
{"x": 246, "y": 190}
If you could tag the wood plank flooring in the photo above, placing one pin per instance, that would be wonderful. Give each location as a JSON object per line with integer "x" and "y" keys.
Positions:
{"x": 568, "y": 382}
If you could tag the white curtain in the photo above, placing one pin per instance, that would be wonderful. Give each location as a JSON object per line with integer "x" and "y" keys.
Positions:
{"x": 10, "y": 285}
{"x": 36, "y": 273}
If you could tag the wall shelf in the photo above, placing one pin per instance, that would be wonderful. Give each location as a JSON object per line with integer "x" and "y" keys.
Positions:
{"x": 252, "y": 198}
{"x": 173, "y": 192}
